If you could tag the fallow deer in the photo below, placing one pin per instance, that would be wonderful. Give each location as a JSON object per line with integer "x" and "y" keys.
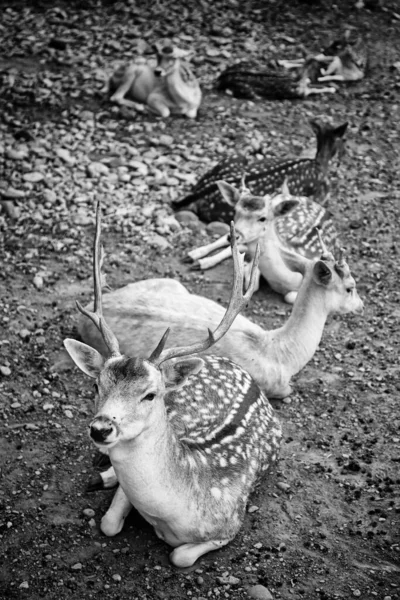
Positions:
{"x": 305, "y": 176}
{"x": 273, "y": 221}
{"x": 140, "y": 312}
{"x": 170, "y": 87}
{"x": 188, "y": 437}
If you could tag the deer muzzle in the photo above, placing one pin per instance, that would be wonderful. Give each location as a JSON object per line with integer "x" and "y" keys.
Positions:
{"x": 103, "y": 431}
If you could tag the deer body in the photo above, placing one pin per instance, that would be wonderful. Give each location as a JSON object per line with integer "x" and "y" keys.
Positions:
{"x": 270, "y": 357}
{"x": 305, "y": 177}
{"x": 169, "y": 87}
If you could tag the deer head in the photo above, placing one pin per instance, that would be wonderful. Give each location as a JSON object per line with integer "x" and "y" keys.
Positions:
{"x": 130, "y": 390}
{"x": 329, "y": 277}
{"x": 255, "y": 215}
{"x": 168, "y": 58}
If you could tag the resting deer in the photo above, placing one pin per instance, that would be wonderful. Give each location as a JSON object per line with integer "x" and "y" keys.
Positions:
{"x": 140, "y": 312}
{"x": 169, "y": 87}
{"x": 271, "y": 220}
{"x": 305, "y": 176}
{"x": 188, "y": 437}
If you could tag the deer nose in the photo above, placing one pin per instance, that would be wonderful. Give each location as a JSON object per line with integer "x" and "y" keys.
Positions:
{"x": 158, "y": 72}
{"x": 100, "y": 429}
{"x": 238, "y": 237}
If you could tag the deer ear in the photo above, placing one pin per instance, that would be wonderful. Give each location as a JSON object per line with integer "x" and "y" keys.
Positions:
{"x": 322, "y": 273}
{"x": 85, "y": 357}
{"x": 315, "y": 126}
{"x": 230, "y": 194}
{"x": 177, "y": 373}
{"x": 285, "y": 207}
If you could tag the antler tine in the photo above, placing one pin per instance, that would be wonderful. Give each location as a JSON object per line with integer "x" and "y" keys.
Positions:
{"x": 243, "y": 187}
{"x": 326, "y": 255}
{"x": 97, "y": 315}
{"x": 237, "y": 302}
{"x": 341, "y": 260}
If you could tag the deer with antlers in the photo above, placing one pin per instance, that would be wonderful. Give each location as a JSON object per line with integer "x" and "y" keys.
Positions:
{"x": 188, "y": 437}
{"x": 170, "y": 87}
{"x": 140, "y": 312}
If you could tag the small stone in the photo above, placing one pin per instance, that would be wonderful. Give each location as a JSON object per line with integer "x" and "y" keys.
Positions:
{"x": 95, "y": 169}
{"x": 165, "y": 140}
{"x": 88, "y": 512}
{"x": 117, "y": 577}
{"x": 38, "y": 282}
{"x": 48, "y": 406}
{"x": 92, "y": 523}
{"x": 253, "y": 509}
{"x": 217, "y": 228}
{"x": 228, "y": 580}
{"x": 157, "y": 241}
{"x": 12, "y": 193}
{"x": 186, "y": 216}
{"x": 31, "y": 427}
{"x": 285, "y": 487}
{"x": 259, "y": 592}
{"x": 68, "y": 414}
{"x": 24, "y": 334}
{"x": 24, "y": 585}
{"x": 49, "y": 196}
{"x": 76, "y": 567}
{"x": 5, "y": 371}
{"x": 199, "y": 581}
{"x": 16, "y": 154}
{"x": 33, "y": 177}
{"x": 16, "y": 405}
{"x": 357, "y": 593}
{"x": 65, "y": 156}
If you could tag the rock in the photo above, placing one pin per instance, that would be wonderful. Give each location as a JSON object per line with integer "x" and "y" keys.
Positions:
{"x": 38, "y": 282}
{"x": 68, "y": 413}
{"x": 5, "y": 371}
{"x": 16, "y": 154}
{"x": 9, "y": 208}
{"x": 285, "y": 487}
{"x": 217, "y": 228}
{"x": 76, "y": 567}
{"x": 95, "y": 169}
{"x": 172, "y": 223}
{"x": 186, "y": 217}
{"x": 24, "y": 585}
{"x": 12, "y": 193}
{"x": 49, "y": 196}
{"x": 33, "y": 177}
{"x": 24, "y": 334}
{"x": 140, "y": 168}
{"x": 228, "y": 580}
{"x": 165, "y": 140}
{"x": 253, "y": 508}
{"x": 117, "y": 577}
{"x": 157, "y": 241}
{"x": 65, "y": 156}
{"x": 259, "y": 592}
{"x": 81, "y": 219}
{"x": 88, "y": 512}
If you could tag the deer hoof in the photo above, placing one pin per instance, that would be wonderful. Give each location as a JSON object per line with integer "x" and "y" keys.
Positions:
{"x": 187, "y": 260}
{"x": 95, "y": 483}
{"x": 195, "y": 267}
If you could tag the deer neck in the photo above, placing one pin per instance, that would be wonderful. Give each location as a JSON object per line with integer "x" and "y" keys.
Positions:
{"x": 151, "y": 470}
{"x": 272, "y": 267}
{"x": 297, "y": 341}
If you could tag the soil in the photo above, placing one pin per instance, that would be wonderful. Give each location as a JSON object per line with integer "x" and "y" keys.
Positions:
{"x": 326, "y": 525}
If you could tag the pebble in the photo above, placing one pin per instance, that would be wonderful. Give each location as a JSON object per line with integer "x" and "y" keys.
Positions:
{"x": 12, "y": 193}
{"x": 165, "y": 140}
{"x": 88, "y": 512}
{"x": 357, "y": 593}
{"x": 16, "y": 154}
{"x": 228, "y": 580}
{"x": 24, "y": 334}
{"x": 95, "y": 169}
{"x": 285, "y": 487}
{"x": 65, "y": 156}
{"x": 38, "y": 282}
{"x": 157, "y": 241}
{"x": 68, "y": 414}
{"x": 217, "y": 228}
{"x": 117, "y": 577}
{"x": 186, "y": 216}
{"x": 253, "y": 508}
{"x": 259, "y": 592}
{"x": 24, "y": 585}
{"x": 76, "y": 567}
{"x": 49, "y": 196}
{"x": 5, "y": 371}
{"x": 33, "y": 177}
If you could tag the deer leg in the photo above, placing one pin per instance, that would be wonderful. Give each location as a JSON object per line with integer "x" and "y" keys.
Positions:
{"x": 113, "y": 520}
{"x": 331, "y": 78}
{"x": 103, "y": 481}
{"x": 186, "y": 555}
{"x": 119, "y": 95}
{"x": 157, "y": 105}
{"x": 309, "y": 91}
{"x": 205, "y": 250}
{"x": 211, "y": 261}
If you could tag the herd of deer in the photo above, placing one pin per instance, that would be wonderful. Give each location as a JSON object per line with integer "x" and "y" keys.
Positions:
{"x": 189, "y": 437}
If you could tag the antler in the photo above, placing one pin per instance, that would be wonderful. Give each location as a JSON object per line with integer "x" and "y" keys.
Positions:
{"x": 97, "y": 315}
{"x": 341, "y": 261}
{"x": 243, "y": 190}
{"x": 326, "y": 255}
{"x": 237, "y": 302}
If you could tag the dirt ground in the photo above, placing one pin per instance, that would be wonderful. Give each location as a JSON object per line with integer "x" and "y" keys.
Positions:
{"x": 332, "y": 531}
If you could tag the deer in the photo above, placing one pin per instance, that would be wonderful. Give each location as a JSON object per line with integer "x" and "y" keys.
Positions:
{"x": 272, "y": 220}
{"x": 139, "y": 313}
{"x": 188, "y": 437}
{"x": 170, "y": 87}
{"x": 305, "y": 176}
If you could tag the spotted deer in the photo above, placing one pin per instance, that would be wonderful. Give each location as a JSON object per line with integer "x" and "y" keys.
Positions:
{"x": 170, "y": 87}
{"x": 271, "y": 220}
{"x": 305, "y": 176}
{"x": 188, "y": 437}
{"x": 140, "y": 312}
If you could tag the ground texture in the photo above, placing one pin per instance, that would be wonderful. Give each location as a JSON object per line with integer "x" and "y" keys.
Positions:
{"x": 327, "y": 525}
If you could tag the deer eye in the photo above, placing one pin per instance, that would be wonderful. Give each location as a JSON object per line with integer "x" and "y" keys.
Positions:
{"x": 349, "y": 290}
{"x": 149, "y": 397}
{"x": 262, "y": 219}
